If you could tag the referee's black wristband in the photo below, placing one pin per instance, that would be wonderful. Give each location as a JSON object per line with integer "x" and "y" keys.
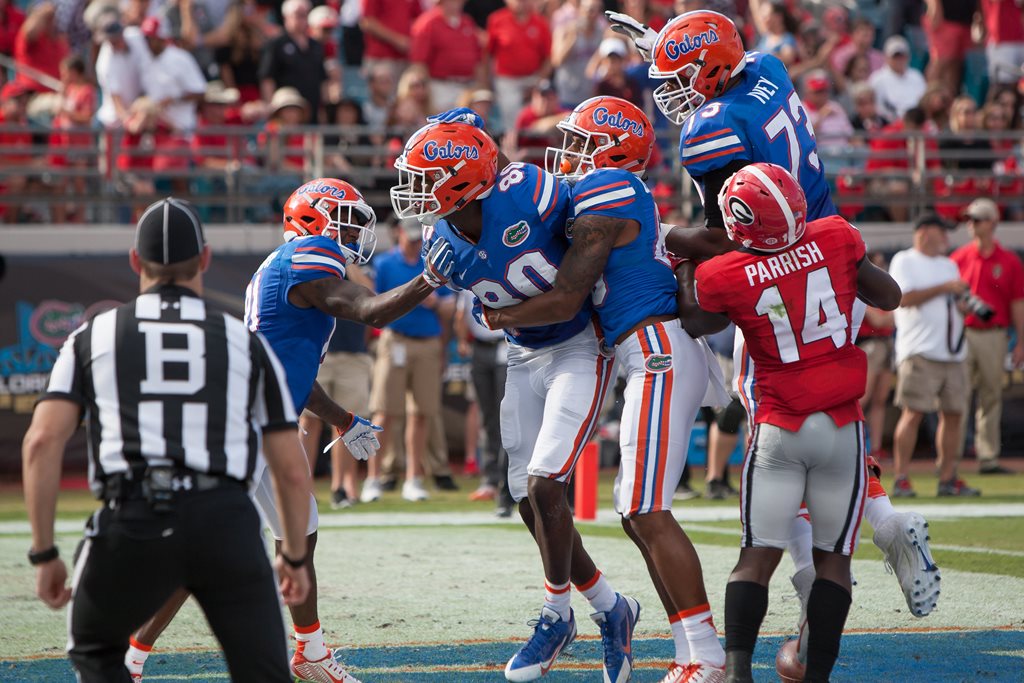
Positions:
{"x": 43, "y": 556}
{"x": 294, "y": 564}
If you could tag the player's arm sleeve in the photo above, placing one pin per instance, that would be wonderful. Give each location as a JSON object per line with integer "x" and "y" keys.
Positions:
{"x": 697, "y": 317}
{"x": 315, "y": 259}
{"x": 712, "y": 183}
{"x": 273, "y": 407}
{"x": 66, "y": 377}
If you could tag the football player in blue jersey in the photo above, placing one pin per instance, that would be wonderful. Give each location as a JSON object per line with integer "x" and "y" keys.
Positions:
{"x": 618, "y": 261}
{"x": 507, "y": 228}
{"x": 293, "y": 300}
{"x": 737, "y": 108}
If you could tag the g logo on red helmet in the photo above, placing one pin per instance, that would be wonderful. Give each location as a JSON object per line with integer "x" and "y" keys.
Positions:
{"x": 449, "y": 150}
{"x": 674, "y": 49}
{"x": 741, "y": 211}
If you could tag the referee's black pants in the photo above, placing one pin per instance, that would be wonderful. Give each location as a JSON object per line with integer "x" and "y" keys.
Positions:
{"x": 132, "y": 559}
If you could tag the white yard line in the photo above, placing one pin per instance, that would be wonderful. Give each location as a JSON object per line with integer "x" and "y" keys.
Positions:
{"x": 343, "y": 520}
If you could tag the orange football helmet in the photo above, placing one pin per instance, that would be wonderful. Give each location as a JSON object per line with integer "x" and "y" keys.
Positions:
{"x": 764, "y": 207}
{"x": 602, "y": 132}
{"x": 334, "y": 209}
{"x": 695, "y": 54}
{"x": 443, "y": 167}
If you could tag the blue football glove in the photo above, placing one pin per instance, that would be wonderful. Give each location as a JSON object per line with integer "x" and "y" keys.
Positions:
{"x": 360, "y": 438}
{"x": 458, "y": 115}
{"x": 480, "y": 314}
{"x": 439, "y": 263}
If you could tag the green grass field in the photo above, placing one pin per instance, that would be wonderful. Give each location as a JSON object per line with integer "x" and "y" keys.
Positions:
{"x": 394, "y": 573}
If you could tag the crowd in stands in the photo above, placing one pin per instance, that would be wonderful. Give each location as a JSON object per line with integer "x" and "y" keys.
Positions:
{"x": 150, "y": 90}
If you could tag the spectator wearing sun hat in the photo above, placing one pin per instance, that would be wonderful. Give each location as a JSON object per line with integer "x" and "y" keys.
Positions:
{"x": 995, "y": 276}
{"x": 519, "y": 48}
{"x": 898, "y": 86}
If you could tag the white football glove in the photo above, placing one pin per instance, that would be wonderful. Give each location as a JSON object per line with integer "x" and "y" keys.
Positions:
{"x": 360, "y": 438}
{"x": 439, "y": 263}
{"x": 642, "y": 35}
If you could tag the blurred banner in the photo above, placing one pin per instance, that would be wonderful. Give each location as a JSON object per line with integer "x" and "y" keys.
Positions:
{"x": 44, "y": 299}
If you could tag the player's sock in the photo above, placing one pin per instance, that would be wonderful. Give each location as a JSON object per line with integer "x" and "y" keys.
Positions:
{"x": 801, "y": 541}
{"x": 556, "y": 597}
{"x": 699, "y": 625}
{"x": 826, "y": 615}
{"x": 598, "y": 593}
{"x": 679, "y": 637}
{"x": 746, "y": 603}
{"x": 878, "y": 507}
{"x": 137, "y": 654}
{"x": 311, "y": 641}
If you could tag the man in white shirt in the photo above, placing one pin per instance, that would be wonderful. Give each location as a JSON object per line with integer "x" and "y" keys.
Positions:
{"x": 898, "y": 87}
{"x": 930, "y": 354}
{"x": 172, "y": 78}
{"x": 118, "y": 72}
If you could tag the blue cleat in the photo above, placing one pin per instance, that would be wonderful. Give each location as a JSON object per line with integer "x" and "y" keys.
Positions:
{"x": 549, "y": 638}
{"x": 617, "y": 638}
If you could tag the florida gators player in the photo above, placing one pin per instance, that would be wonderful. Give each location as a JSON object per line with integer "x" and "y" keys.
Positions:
{"x": 797, "y": 284}
{"x": 735, "y": 108}
{"x": 293, "y": 300}
{"x": 506, "y": 226}
{"x": 618, "y": 254}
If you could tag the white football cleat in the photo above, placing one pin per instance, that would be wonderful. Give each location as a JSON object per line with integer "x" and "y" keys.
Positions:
{"x": 326, "y": 670}
{"x": 694, "y": 672}
{"x": 371, "y": 491}
{"x": 903, "y": 538}
{"x": 413, "y": 490}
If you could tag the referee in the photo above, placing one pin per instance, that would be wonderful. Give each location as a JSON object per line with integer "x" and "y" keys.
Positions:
{"x": 177, "y": 398}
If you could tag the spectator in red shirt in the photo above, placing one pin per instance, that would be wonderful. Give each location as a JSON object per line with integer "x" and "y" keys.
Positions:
{"x": 947, "y": 25}
{"x": 72, "y": 149}
{"x": 519, "y": 47}
{"x": 995, "y": 276}
{"x": 387, "y": 31}
{"x": 285, "y": 150}
{"x": 445, "y": 40}
{"x": 11, "y": 19}
{"x": 1004, "y": 39}
{"x": 13, "y": 101}
{"x": 323, "y": 22}
{"x": 39, "y": 46}
{"x": 211, "y": 148}
{"x": 610, "y": 73}
{"x": 890, "y": 156}
{"x": 535, "y": 125}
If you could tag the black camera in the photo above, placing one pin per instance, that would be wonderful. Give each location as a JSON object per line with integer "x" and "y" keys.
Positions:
{"x": 975, "y": 306}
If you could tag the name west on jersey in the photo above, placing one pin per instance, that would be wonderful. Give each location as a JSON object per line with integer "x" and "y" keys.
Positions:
{"x": 783, "y": 264}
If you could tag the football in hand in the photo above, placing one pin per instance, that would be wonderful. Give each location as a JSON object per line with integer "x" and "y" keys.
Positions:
{"x": 787, "y": 663}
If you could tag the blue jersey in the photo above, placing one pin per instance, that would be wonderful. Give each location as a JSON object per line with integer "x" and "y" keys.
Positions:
{"x": 299, "y": 336}
{"x": 761, "y": 119}
{"x": 638, "y": 281}
{"x": 521, "y": 246}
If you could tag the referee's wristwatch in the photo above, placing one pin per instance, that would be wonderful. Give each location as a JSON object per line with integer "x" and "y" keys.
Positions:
{"x": 37, "y": 557}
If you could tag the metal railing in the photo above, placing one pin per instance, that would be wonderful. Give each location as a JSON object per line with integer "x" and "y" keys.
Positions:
{"x": 238, "y": 174}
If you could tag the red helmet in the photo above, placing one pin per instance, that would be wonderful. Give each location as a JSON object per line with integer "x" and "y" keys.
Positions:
{"x": 334, "y": 209}
{"x": 764, "y": 207}
{"x": 602, "y": 132}
{"x": 696, "y": 54}
{"x": 443, "y": 167}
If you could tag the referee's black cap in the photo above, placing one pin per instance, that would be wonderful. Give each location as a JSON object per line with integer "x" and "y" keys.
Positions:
{"x": 169, "y": 232}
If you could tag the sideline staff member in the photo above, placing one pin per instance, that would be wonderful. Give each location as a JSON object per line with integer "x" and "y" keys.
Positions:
{"x": 175, "y": 395}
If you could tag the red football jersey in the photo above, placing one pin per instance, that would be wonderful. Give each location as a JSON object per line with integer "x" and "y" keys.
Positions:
{"x": 795, "y": 310}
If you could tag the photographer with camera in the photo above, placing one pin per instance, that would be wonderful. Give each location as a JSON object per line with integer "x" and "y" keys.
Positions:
{"x": 995, "y": 301}
{"x": 930, "y": 354}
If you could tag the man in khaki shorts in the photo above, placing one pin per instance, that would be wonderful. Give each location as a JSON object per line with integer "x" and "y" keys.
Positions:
{"x": 930, "y": 354}
{"x": 410, "y": 361}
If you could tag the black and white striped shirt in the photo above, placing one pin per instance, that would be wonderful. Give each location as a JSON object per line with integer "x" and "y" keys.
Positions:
{"x": 166, "y": 380}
